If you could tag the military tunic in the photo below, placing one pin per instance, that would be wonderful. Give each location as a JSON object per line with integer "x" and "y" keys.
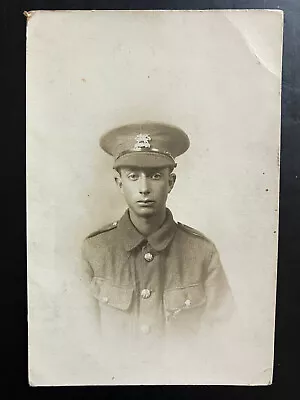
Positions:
{"x": 170, "y": 284}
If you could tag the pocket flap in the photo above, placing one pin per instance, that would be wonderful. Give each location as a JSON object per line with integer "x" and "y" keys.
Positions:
{"x": 184, "y": 298}
{"x": 115, "y": 296}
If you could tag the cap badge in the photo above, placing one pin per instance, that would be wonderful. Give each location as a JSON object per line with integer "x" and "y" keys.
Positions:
{"x": 142, "y": 141}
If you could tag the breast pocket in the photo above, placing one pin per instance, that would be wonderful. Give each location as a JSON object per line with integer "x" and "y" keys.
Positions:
{"x": 108, "y": 295}
{"x": 184, "y": 307}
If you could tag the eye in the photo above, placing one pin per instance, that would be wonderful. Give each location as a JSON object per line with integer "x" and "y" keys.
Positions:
{"x": 156, "y": 176}
{"x": 132, "y": 176}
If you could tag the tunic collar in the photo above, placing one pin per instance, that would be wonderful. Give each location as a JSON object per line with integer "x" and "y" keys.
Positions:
{"x": 158, "y": 240}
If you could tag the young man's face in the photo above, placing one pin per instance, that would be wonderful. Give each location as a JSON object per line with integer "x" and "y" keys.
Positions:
{"x": 145, "y": 190}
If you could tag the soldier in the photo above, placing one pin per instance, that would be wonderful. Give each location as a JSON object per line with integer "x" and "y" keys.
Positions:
{"x": 152, "y": 278}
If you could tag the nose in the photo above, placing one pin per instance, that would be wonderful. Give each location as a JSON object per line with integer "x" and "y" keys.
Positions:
{"x": 144, "y": 187}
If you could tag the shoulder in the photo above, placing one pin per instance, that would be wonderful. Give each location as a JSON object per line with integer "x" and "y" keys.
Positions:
{"x": 194, "y": 237}
{"x": 99, "y": 242}
{"x": 196, "y": 241}
{"x": 104, "y": 229}
{"x": 102, "y": 233}
{"x": 191, "y": 231}
{"x": 102, "y": 238}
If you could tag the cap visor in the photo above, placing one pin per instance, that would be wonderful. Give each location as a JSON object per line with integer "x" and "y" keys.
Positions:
{"x": 144, "y": 160}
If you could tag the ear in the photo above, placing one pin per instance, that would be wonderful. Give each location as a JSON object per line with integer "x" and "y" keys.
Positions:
{"x": 172, "y": 180}
{"x": 119, "y": 182}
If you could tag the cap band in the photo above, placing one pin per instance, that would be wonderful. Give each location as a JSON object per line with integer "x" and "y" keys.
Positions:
{"x": 144, "y": 159}
{"x": 145, "y": 150}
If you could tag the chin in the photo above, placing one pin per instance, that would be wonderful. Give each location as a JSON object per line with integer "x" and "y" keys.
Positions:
{"x": 145, "y": 212}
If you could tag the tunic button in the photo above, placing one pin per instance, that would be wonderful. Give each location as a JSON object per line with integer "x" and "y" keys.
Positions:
{"x": 145, "y": 329}
{"x": 105, "y": 299}
{"x": 148, "y": 257}
{"x": 188, "y": 302}
{"x": 145, "y": 293}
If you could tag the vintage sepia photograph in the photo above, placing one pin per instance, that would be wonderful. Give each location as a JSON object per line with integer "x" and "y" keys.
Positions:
{"x": 153, "y": 141}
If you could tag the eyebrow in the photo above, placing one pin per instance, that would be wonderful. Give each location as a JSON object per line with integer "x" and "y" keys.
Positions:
{"x": 147, "y": 171}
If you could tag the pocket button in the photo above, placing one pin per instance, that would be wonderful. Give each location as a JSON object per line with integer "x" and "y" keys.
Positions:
{"x": 188, "y": 302}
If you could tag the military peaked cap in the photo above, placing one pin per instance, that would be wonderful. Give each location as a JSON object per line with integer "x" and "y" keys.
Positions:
{"x": 147, "y": 144}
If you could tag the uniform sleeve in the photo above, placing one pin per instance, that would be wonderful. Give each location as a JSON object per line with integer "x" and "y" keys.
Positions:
{"x": 219, "y": 322}
{"x": 90, "y": 303}
{"x": 87, "y": 272}
{"x": 220, "y": 304}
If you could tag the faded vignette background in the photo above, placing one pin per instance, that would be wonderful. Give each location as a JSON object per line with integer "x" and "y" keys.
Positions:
{"x": 217, "y": 75}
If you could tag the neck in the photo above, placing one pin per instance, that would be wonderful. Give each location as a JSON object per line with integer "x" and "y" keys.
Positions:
{"x": 146, "y": 226}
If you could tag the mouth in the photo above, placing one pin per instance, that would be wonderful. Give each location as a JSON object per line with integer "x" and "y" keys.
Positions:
{"x": 146, "y": 203}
